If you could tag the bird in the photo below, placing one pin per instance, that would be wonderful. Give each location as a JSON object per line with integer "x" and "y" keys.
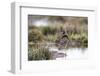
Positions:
{"x": 63, "y": 39}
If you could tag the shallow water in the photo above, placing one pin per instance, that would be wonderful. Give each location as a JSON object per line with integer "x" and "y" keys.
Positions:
{"x": 74, "y": 53}
{"x": 77, "y": 54}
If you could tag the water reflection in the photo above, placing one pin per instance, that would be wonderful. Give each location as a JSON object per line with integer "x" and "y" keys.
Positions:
{"x": 74, "y": 53}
